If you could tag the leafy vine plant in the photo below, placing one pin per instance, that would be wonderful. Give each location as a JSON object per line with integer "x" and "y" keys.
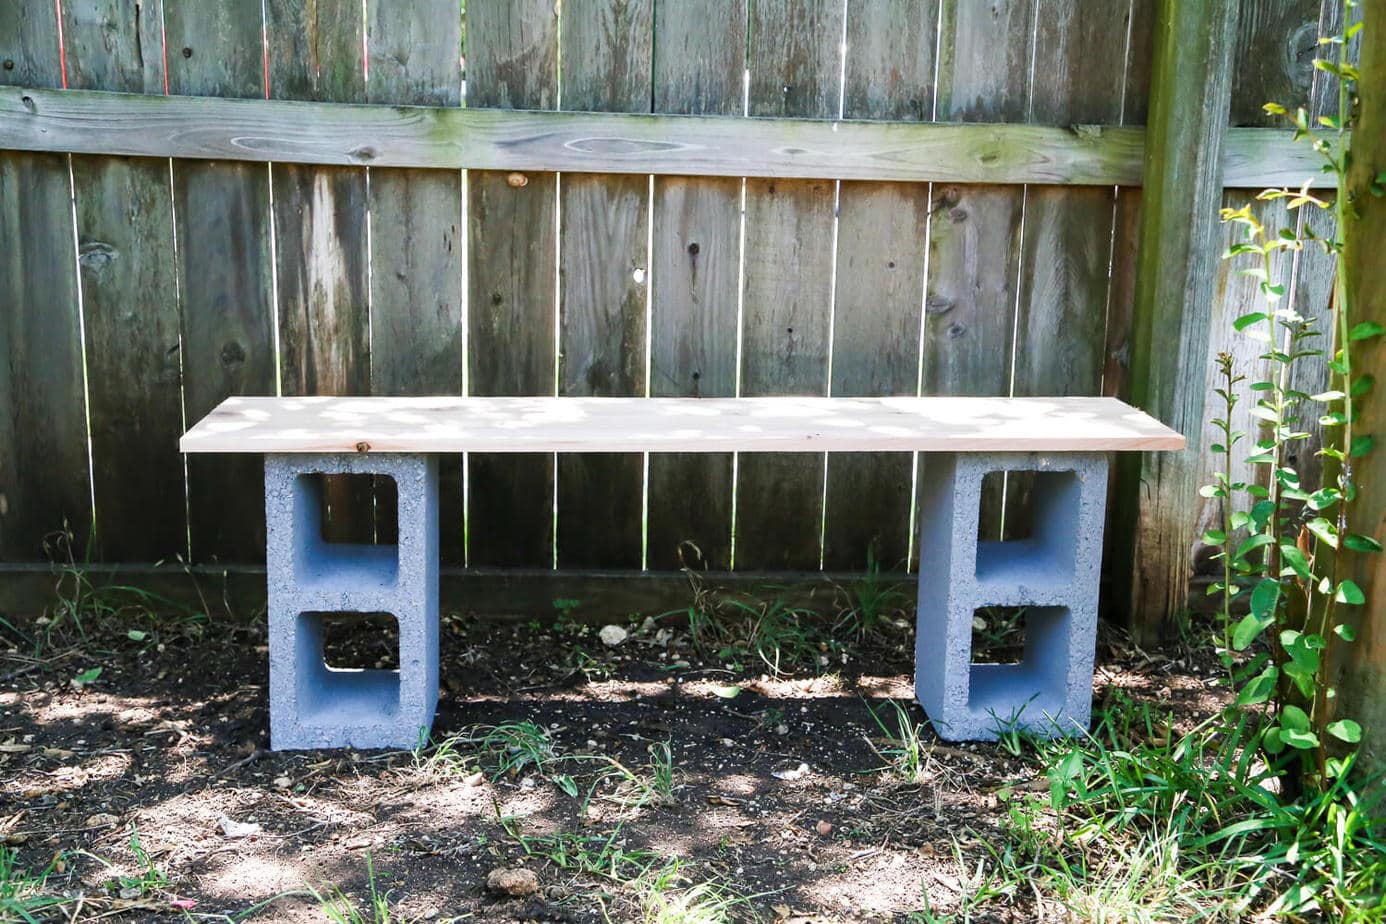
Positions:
{"x": 1280, "y": 576}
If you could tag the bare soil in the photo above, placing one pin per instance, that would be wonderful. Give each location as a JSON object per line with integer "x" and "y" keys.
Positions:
{"x": 172, "y": 736}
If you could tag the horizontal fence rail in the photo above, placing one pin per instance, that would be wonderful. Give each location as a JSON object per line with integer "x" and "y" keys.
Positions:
{"x": 184, "y": 127}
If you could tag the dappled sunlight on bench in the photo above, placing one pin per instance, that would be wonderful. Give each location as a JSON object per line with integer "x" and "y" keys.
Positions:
{"x": 551, "y": 424}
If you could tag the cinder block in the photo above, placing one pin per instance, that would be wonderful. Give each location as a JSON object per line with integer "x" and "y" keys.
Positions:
{"x": 1053, "y": 574}
{"x": 316, "y": 706}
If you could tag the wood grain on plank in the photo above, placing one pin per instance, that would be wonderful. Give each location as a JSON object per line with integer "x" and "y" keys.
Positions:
{"x": 1170, "y": 327}
{"x": 44, "y": 478}
{"x": 129, "y": 296}
{"x": 583, "y": 142}
{"x": 974, "y": 237}
{"x": 607, "y": 60}
{"x": 315, "y": 53}
{"x": 414, "y": 55}
{"x": 1291, "y": 27}
{"x": 694, "y": 277}
{"x": 1066, "y": 244}
{"x": 879, "y": 286}
{"x": 588, "y": 425}
{"x": 512, "y": 62}
{"x": 794, "y": 67}
{"x": 223, "y": 247}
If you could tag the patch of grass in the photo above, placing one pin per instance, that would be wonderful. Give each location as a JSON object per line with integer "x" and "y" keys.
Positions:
{"x": 868, "y": 604}
{"x": 634, "y": 789}
{"x": 784, "y": 636}
{"x": 902, "y": 749}
{"x": 1141, "y": 825}
{"x": 656, "y": 884}
{"x": 338, "y": 908}
{"x": 25, "y": 896}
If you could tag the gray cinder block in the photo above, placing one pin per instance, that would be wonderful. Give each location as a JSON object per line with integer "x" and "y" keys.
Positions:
{"x": 312, "y": 705}
{"x": 1053, "y": 574}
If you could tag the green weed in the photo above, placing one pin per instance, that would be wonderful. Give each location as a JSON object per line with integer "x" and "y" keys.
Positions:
{"x": 25, "y": 896}
{"x": 903, "y": 750}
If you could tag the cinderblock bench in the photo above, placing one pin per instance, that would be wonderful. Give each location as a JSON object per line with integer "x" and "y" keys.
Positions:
{"x": 1053, "y": 573}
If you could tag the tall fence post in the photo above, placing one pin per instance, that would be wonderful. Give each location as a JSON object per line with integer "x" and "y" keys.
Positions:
{"x": 1190, "y": 91}
{"x": 1362, "y": 694}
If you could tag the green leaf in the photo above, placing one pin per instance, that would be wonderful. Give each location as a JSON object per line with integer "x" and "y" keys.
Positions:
{"x": 1294, "y": 718}
{"x": 1265, "y": 596}
{"x": 1259, "y": 688}
{"x": 1214, "y": 537}
{"x": 1245, "y": 631}
{"x": 1254, "y": 317}
{"x": 1252, "y": 544}
{"x": 1366, "y": 330}
{"x": 87, "y": 676}
{"x": 1324, "y": 530}
{"x": 135, "y": 635}
{"x": 1350, "y": 593}
{"x": 727, "y": 692}
{"x": 1345, "y": 730}
{"x": 1293, "y": 557}
{"x": 1301, "y": 740}
{"x": 1345, "y": 632}
{"x": 1361, "y": 543}
{"x": 1273, "y": 740}
{"x": 1361, "y": 445}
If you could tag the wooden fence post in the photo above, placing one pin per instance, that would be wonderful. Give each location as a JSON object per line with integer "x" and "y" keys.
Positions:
{"x": 1362, "y": 687}
{"x": 1190, "y": 92}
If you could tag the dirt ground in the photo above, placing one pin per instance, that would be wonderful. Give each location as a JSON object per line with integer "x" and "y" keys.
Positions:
{"x": 779, "y": 792}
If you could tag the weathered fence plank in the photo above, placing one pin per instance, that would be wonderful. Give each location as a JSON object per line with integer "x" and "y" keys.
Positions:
{"x": 315, "y": 52}
{"x": 44, "y": 478}
{"x": 582, "y": 142}
{"x": 794, "y": 64}
{"x": 512, "y": 62}
{"x": 1362, "y": 665}
{"x": 694, "y": 277}
{"x": 129, "y": 297}
{"x": 223, "y": 246}
{"x": 1291, "y": 26}
{"x": 1121, "y": 293}
{"x": 414, "y": 57}
{"x": 879, "y": 287}
{"x": 1178, "y": 234}
{"x": 607, "y": 55}
{"x": 1066, "y": 241}
{"x": 974, "y": 235}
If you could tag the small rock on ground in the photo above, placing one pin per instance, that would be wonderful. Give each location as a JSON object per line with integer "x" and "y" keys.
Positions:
{"x": 517, "y": 883}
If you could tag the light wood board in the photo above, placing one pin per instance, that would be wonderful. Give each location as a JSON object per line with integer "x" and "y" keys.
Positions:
{"x": 775, "y": 424}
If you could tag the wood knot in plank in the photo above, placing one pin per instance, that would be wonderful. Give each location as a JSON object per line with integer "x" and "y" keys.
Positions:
{"x": 517, "y": 180}
{"x": 232, "y": 353}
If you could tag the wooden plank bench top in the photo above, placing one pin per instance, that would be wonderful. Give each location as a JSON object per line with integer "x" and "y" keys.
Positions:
{"x": 778, "y": 424}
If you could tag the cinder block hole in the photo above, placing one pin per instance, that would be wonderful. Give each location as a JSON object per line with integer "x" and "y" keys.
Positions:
{"x": 1027, "y": 528}
{"x": 360, "y": 641}
{"x": 346, "y": 530}
{"x": 1019, "y": 660}
{"x": 360, "y": 509}
{"x": 998, "y": 635}
{"x": 336, "y": 680}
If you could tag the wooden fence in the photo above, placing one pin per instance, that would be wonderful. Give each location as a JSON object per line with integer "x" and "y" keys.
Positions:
{"x": 944, "y": 230}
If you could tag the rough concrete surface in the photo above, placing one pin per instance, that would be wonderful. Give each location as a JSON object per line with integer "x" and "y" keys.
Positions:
{"x": 316, "y": 706}
{"x": 1053, "y": 575}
